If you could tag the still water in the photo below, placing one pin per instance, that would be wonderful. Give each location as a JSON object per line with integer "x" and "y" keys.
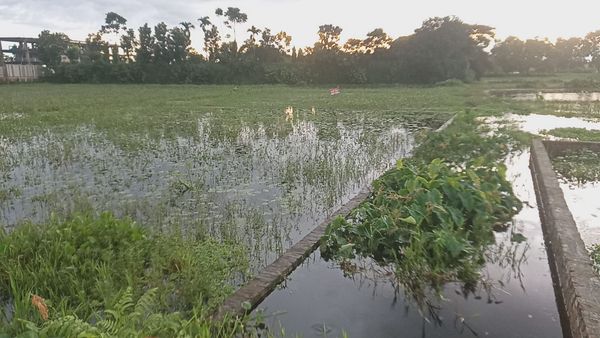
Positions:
{"x": 557, "y": 97}
{"x": 581, "y": 198}
{"x": 516, "y": 298}
{"x": 257, "y": 186}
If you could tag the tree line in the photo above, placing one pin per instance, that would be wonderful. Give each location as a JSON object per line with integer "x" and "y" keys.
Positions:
{"x": 442, "y": 48}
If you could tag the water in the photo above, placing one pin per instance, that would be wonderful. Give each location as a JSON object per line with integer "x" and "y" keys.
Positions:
{"x": 516, "y": 300}
{"x": 262, "y": 188}
{"x": 557, "y": 97}
{"x": 536, "y": 123}
{"x": 582, "y": 201}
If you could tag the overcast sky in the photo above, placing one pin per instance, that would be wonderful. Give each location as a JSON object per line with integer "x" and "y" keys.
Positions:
{"x": 301, "y": 18}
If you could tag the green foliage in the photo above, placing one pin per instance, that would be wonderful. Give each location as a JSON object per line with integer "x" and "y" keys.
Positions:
{"x": 578, "y": 167}
{"x": 432, "y": 222}
{"x": 443, "y": 48}
{"x": 595, "y": 255}
{"x": 580, "y": 134}
{"x": 51, "y": 46}
{"x": 133, "y": 316}
{"x": 82, "y": 266}
{"x": 463, "y": 141}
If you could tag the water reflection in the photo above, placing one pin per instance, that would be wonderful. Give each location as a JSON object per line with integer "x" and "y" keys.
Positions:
{"x": 515, "y": 297}
{"x": 536, "y": 123}
{"x": 582, "y": 201}
{"x": 262, "y": 188}
{"x": 557, "y": 97}
{"x": 579, "y": 197}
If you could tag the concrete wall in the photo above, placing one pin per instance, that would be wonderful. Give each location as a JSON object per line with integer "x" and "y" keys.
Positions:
{"x": 19, "y": 73}
{"x": 577, "y": 284}
{"x": 257, "y": 289}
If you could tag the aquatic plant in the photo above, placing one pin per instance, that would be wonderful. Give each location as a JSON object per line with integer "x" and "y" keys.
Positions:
{"x": 580, "y": 134}
{"x": 578, "y": 167}
{"x": 431, "y": 222}
{"x": 595, "y": 255}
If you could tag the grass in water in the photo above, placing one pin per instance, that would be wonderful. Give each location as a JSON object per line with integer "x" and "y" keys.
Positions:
{"x": 580, "y": 134}
{"x": 108, "y": 276}
{"x": 431, "y": 220}
{"x": 578, "y": 167}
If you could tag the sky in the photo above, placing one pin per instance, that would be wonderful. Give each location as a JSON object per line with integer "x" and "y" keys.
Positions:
{"x": 301, "y": 18}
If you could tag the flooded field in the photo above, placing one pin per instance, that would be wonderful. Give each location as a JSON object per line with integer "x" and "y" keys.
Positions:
{"x": 579, "y": 175}
{"x": 515, "y": 299}
{"x": 537, "y": 124}
{"x": 551, "y": 96}
{"x": 580, "y": 196}
{"x": 583, "y": 202}
{"x": 256, "y": 186}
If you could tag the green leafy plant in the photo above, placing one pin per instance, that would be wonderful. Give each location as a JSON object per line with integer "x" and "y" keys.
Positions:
{"x": 431, "y": 222}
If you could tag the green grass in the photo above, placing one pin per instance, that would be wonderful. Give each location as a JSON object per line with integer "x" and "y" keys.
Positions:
{"x": 83, "y": 266}
{"x": 595, "y": 254}
{"x": 174, "y": 110}
{"x": 578, "y": 167}
{"x": 580, "y": 134}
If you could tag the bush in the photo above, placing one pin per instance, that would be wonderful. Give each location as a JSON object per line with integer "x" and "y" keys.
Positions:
{"x": 431, "y": 222}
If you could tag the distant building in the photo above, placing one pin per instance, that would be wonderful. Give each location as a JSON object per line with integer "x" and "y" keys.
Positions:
{"x": 23, "y": 50}
{"x": 22, "y": 63}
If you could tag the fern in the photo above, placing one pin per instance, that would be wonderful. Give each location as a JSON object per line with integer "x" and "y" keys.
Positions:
{"x": 147, "y": 303}
{"x": 69, "y": 326}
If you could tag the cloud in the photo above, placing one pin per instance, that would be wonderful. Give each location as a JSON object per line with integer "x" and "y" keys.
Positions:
{"x": 301, "y": 18}
{"x": 68, "y": 15}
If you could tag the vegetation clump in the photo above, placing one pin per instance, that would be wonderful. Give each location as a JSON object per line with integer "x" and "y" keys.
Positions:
{"x": 431, "y": 222}
{"x": 91, "y": 269}
{"x": 580, "y": 134}
{"x": 595, "y": 255}
{"x": 578, "y": 167}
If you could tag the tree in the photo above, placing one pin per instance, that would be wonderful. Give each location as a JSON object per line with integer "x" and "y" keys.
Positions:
{"x": 161, "y": 44}
{"x": 74, "y": 54}
{"x": 179, "y": 43}
{"x": 145, "y": 51}
{"x": 377, "y": 39}
{"x": 510, "y": 55}
{"x": 250, "y": 43}
{"x": 187, "y": 28}
{"x": 354, "y": 46}
{"x": 113, "y": 24}
{"x": 537, "y": 54}
{"x": 592, "y": 41}
{"x": 51, "y": 46}
{"x": 283, "y": 41}
{"x": 96, "y": 50}
{"x": 234, "y": 16}
{"x": 329, "y": 36}
{"x": 129, "y": 44}
{"x": 267, "y": 39}
{"x": 569, "y": 54}
{"x": 211, "y": 38}
{"x": 442, "y": 48}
